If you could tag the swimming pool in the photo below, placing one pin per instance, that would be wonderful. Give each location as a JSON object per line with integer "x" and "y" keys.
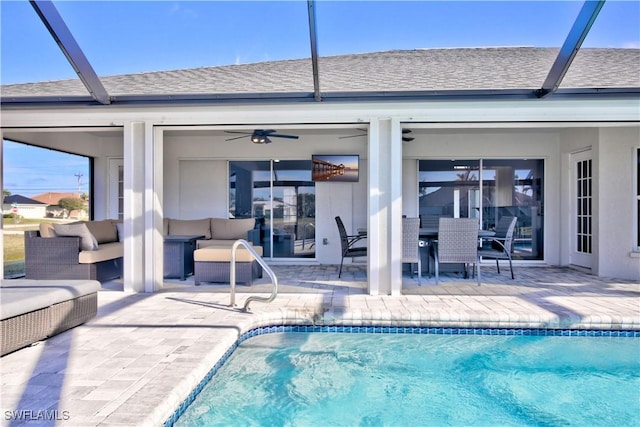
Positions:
{"x": 422, "y": 376}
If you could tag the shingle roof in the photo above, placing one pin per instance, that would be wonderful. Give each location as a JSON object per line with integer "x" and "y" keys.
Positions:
{"x": 396, "y": 70}
{"x": 21, "y": 200}
{"x": 53, "y": 198}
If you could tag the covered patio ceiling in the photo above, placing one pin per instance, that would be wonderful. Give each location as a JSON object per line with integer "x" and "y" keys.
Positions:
{"x": 98, "y": 95}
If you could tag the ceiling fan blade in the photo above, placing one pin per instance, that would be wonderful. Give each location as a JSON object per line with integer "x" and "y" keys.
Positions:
{"x": 237, "y": 137}
{"x": 351, "y": 136}
{"x": 238, "y": 131}
{"x": 407, "y": 139}
{"x": 406, "y": 131}
{"x": 278, "y": 135}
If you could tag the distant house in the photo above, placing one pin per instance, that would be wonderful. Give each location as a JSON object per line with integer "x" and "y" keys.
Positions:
{"x": 24, "y": 206}
{"x": 52, "y": 199}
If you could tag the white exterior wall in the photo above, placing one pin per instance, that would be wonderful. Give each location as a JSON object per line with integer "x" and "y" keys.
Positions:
{"x": 616, "y": 256}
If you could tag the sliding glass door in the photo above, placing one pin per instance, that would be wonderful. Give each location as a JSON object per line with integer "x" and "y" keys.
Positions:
{"x": 487, "y": 189}
{"x": 281, "y": 196}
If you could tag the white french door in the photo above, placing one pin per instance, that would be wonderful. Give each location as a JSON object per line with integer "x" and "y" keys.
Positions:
{"x": 582, "y": 209}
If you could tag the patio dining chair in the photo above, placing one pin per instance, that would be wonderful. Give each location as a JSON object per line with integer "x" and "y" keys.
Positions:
{"x": 457, "y": 243}
{"x": 502, "y": 243}
{"x": 411, "y": 244}
{"x": 347, "y": 244}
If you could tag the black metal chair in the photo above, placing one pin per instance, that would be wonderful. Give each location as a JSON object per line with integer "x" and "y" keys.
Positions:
{"x": 347, "y": 242}
{"x": 501, "y": 243}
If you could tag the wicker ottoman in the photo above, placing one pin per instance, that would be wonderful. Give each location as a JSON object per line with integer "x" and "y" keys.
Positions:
{"x": 213, "y": 264}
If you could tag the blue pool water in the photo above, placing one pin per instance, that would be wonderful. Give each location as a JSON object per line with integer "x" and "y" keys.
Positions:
{"x": 335, "y": 379}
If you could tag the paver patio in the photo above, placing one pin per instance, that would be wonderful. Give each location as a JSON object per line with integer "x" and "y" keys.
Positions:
{"x": 142, "y": 355}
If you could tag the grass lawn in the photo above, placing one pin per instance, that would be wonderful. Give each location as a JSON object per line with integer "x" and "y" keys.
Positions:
{"x": 14, "y": 243}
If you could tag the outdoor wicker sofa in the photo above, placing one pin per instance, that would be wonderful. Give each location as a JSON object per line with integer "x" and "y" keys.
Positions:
{"x": 86, "y": 250}
{"x": 33, "y": 310}
{"x": 216, "y": 231}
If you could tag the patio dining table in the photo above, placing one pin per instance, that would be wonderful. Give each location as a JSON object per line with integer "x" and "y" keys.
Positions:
{"x": 427, "y": 235}
{"x": 430, "y": 234}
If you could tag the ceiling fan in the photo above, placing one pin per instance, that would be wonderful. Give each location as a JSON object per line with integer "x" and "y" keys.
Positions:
{"x": 404, "y": 132}
{"x": 261, "y": 136}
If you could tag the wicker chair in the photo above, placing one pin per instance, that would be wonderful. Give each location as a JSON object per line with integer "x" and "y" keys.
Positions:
{"x": 457, "y": 243}
{"x": 411, "y": 244}
{"x": 501, "y": 243}
{"x": 347, "y": 242}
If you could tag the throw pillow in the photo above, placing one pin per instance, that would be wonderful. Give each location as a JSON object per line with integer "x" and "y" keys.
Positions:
{"x": 190, "y": 227}
{"x": 87, "y": 241}
{"x": 47, "y": 230}
{"x": 104, "y": 231}
{"x": 231, "y": 229}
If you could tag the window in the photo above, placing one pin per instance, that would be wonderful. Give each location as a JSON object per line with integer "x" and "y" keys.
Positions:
{"x": 281, "y": 195}
{"x": 488, "y": 189}
{"x": 40, "y": 185}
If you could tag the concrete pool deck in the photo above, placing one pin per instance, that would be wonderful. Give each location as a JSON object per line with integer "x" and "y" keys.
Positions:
{"x": 143, "y": 354}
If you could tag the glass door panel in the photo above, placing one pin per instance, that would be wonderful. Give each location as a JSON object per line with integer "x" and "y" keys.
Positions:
{"x": 449, "y": 188}
{"x": 506, "y": 187}
{"x": 293, "y": 209}
{"x": 513, "y": 187}
{"x": 281, "y": 196}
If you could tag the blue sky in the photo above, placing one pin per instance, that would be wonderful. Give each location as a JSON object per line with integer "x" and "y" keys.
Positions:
{"x": 30, "y": 171}
{"x": 120, "y": 37}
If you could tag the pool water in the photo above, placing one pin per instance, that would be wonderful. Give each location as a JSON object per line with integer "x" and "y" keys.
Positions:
{"x": 336, "y": 379}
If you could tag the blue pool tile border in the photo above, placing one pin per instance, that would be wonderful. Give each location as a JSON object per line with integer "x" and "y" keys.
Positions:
{"x": 264, "y": 330}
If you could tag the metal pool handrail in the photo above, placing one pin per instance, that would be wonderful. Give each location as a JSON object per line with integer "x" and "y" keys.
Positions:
{"x": 260, "y": 261}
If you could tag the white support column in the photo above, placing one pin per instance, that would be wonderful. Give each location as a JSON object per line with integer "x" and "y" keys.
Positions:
{"x": 395, "y": 200}
{"x": 134, "y": 221}
{"x": 154, "y": 261}
{"x": 385, "y": 207}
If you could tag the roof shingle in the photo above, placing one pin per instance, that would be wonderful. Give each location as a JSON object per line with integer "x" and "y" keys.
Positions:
{"x": 396, "y": 70}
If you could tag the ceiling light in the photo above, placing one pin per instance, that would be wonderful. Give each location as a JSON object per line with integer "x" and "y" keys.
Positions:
{"x": 259, "y": 138}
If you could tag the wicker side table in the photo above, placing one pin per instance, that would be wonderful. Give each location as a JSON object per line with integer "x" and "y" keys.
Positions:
{"x": 178, "y": 256}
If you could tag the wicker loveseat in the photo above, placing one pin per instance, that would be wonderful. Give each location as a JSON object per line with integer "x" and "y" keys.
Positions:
{"x": 86, "y": 250}
{"x": 32, "y": 310}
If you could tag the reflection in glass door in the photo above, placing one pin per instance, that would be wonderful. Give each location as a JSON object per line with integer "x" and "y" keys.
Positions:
{"x": 513, "y": 187}
{"x": 449, "y": 188}
{"x": 281, "y": 196}
{"x": 487, "y": 189}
